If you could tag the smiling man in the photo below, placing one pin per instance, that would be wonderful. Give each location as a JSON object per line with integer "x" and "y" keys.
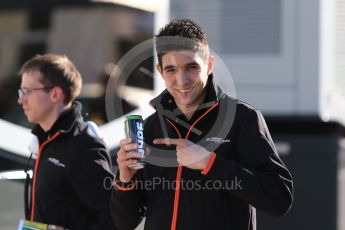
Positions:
{"x": 72, "y": 164}
{"x": 185, "y": 75}
{"x": 216, "y": 160}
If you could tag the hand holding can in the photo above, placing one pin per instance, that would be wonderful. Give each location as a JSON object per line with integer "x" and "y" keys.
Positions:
{"x": 134, "y": 129}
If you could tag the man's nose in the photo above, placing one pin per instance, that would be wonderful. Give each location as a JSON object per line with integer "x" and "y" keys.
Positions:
{"x": 182, "y": 78}
{"x": 20, "y": 100}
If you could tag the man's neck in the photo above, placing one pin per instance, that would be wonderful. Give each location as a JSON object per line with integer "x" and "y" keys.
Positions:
{"x": 189, "y": 110}
{"x": 53, "y": 116}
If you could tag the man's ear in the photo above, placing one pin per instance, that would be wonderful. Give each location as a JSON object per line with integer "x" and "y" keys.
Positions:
{"x": 210, "y": 64}
{"x": 57, "y": 94}
{"x": 159, "y": 68}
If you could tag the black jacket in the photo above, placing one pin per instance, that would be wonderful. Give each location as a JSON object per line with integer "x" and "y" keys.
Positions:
{"x": 246, "y": 173}
{"x": 73, "y": 177}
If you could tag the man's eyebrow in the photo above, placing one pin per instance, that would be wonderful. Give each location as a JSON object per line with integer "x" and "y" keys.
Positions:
{"x": 192, "y": 64}
{"x": 169, "y": 67}
{"x": 187, "y": 65}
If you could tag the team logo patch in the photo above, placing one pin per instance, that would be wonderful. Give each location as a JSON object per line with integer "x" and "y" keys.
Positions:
{"x": 217, "y": 140}
{"x": 56, "y": 162}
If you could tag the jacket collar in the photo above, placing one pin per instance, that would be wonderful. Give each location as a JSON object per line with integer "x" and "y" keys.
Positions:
{"x": 64, "y": 123}
{"x": 165, "y": 101}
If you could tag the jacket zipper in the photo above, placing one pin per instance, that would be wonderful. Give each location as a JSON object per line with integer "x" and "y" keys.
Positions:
{"x": 179, "y": 169}
{"x": 35, "y": 173}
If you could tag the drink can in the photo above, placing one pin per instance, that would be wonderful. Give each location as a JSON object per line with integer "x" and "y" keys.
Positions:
{"x": 134, "y": 129}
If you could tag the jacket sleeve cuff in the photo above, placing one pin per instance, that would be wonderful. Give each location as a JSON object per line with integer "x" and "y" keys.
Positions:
{"x": 209, "y": 164}
{"x": 122, "y": 186}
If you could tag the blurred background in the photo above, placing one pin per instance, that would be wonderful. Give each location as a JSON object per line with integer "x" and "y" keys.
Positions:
{"x": 286, "y": 57}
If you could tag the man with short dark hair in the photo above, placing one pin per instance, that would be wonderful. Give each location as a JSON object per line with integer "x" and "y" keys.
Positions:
{"x": 212, "y": 160}
{"x": 72, "y": 166}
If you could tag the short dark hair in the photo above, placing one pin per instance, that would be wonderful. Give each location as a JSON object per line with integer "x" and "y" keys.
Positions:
{"x": 56, "y": 70}
{"x": 181, "y": 34}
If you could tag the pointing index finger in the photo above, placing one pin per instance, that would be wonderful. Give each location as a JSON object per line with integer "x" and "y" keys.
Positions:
{"x": 167, "y": 141}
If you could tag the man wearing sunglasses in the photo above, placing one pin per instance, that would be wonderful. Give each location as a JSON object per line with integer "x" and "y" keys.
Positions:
{"x": 72, "y": 165}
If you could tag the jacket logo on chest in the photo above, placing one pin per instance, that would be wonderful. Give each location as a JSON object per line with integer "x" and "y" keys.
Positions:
{"x": 217, "y": 140}
{"x": 56, "y": 162}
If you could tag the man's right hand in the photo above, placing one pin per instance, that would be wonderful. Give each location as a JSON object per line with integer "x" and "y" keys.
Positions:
{"x": 125, "y": 159}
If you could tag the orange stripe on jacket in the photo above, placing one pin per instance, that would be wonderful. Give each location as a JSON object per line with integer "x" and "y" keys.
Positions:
{"x": 35, "y": 174}
{"x": 179, "y": 169}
